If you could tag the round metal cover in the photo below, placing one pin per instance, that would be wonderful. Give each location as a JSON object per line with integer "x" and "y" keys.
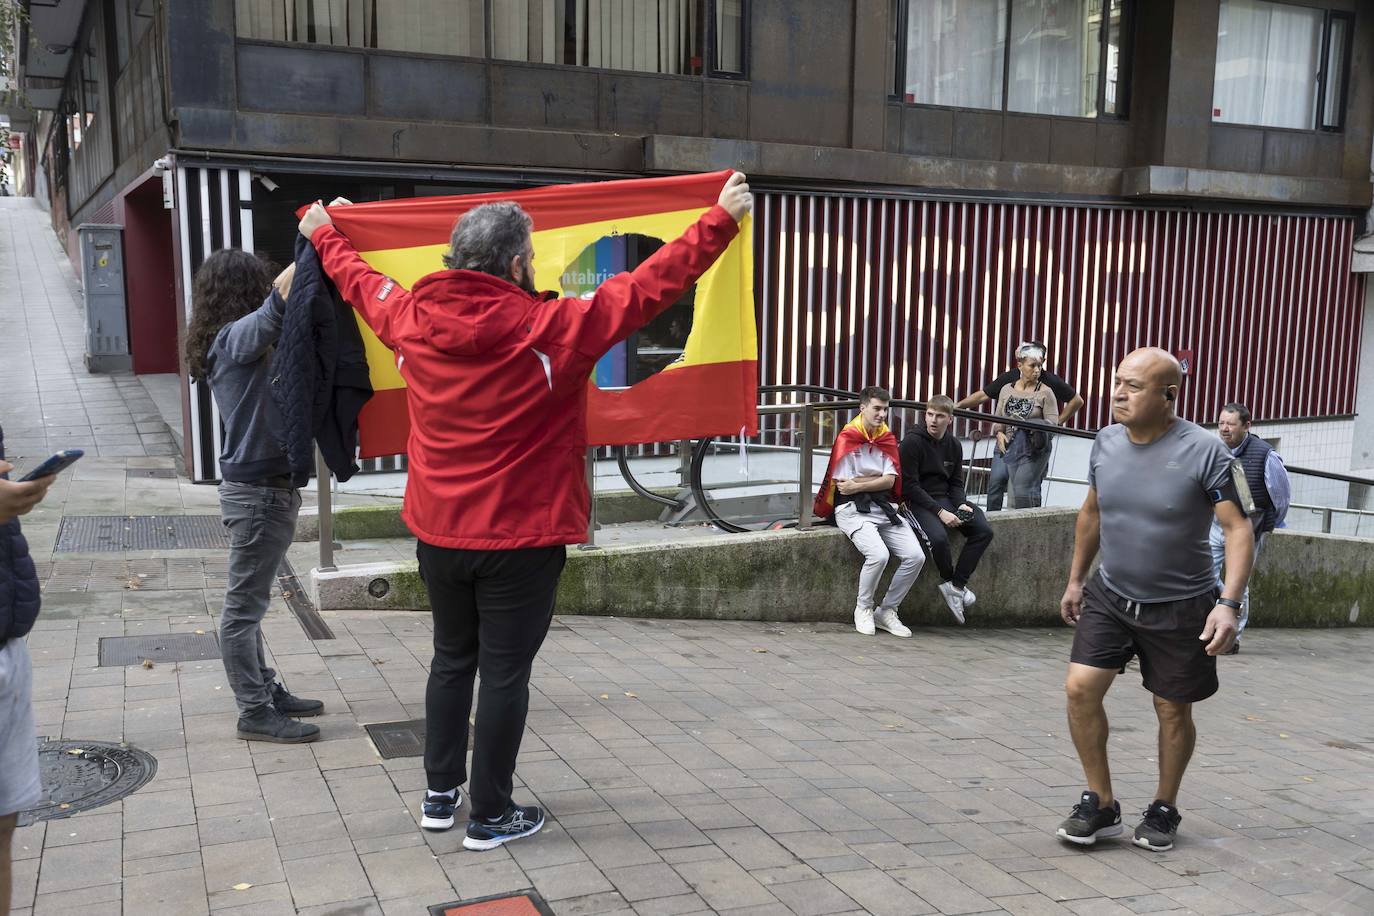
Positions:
{"x": 81, "y": 775}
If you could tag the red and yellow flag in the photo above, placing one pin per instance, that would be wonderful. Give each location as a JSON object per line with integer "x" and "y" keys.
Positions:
{"x": 710, "y": 391}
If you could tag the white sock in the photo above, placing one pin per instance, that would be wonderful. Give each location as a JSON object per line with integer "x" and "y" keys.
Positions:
{"x": 451, "y": 793}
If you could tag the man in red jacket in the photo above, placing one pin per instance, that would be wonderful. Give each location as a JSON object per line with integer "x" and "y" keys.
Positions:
{"x": 496, "y": 379}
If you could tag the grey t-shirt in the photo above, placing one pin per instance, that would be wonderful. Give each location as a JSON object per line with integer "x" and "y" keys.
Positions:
{"x": 1156, "y": 510}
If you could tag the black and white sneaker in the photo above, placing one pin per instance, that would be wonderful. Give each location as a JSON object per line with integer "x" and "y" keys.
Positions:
{"x": 1088, "y": 822}
{"x": 1158, "y": 827}
{"x": 436, "y": 813}
{"x": 517, "y": 822}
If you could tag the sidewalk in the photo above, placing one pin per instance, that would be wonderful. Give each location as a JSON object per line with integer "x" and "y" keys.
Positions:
{"x": 688, "y": 768}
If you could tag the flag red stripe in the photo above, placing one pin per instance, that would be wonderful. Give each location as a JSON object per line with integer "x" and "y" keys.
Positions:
{"x": 714, "y": 399}
{"x": 389, "y": 224}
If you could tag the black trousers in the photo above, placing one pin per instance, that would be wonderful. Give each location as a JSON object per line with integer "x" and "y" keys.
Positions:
{"x": 492, "y": 610}
{"x": 977, "y": 536}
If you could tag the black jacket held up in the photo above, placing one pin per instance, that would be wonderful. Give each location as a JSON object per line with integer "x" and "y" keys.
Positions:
{"x": 319, "y": 372}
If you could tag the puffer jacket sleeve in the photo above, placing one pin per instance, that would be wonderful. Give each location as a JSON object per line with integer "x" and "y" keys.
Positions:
{"x": 19, "y": 593}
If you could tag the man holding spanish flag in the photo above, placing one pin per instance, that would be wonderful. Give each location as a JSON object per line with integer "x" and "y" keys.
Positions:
{"x": 496, "y": 378}
{"x": 863, "y": 490}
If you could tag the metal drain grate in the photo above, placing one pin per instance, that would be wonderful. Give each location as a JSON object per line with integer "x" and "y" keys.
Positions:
{"x": 80, "y": 775}
{"x": 525, "y": 903}
{"x": 398, "y": 739}
{"x": 116, "y": 651}
{"x": 144, "y": 473}
{"x": 83, "y": 533}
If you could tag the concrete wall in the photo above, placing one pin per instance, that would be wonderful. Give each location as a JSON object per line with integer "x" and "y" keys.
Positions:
{"x": 1302, "y": 579}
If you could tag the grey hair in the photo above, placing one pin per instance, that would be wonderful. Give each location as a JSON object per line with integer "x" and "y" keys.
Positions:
{"x": 1240, "y": 410}
{"x": 487, "y": 237}
{"x": 1030, "y": 349}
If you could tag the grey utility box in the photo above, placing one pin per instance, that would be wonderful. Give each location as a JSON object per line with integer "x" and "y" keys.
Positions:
{"x": 102, "y": 284}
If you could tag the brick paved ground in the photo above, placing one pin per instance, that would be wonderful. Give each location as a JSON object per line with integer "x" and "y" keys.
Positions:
{"x": 687, "y": 767}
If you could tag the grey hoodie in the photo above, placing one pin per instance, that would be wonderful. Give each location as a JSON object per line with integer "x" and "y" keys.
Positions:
{"x": 240, "y": 377}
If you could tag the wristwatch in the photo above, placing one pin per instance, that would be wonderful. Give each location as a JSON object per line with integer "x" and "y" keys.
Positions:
{"x": 1227, "y": 602}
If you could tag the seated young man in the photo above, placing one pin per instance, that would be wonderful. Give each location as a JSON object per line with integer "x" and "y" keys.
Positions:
{"x": 932, "y": 464}
{"x": 862, "y": 489}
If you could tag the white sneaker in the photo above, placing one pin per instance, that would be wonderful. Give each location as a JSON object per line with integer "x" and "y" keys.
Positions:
{"x": 954, "y": 597}
{"x": 886, "y": 618}
{"x": 970, "y": 599}
{"x": 863, "y": 620}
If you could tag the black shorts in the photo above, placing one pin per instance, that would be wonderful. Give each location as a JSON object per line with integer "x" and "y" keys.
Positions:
{"x": 1174, "y": 664}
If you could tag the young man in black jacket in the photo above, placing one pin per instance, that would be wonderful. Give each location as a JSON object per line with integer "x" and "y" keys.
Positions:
{"x": 933, "y": 487}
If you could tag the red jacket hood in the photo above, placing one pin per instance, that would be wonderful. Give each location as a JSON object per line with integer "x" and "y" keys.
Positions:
{"x": 466, "y": 312}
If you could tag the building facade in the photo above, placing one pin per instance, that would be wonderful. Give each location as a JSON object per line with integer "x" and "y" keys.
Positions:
{"x": 940, "y": 179}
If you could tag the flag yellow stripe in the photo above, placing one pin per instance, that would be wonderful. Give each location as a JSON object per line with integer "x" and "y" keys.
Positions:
{"x": 722, "y": 323}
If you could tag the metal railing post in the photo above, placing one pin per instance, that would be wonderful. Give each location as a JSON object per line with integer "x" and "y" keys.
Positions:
{"x": 591, "y": 498}
{"x": 1326, "y": 521}
{"x": 684, "y": 463}
{"x": 804, "y": 472}
{"x": 323, "y": 480}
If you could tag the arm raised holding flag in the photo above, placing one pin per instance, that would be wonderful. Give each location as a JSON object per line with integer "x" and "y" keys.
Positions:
{"x": 496, "y": 381}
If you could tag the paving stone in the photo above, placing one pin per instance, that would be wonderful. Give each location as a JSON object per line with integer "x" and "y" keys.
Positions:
{"x": 254, "y": 862}
{"x": 326, "y": 879}
{"x": 69, "y": 868}
{"x": 180, "y": 892}
{"x": 404, "y": 872}
{"x": 723, "y": 884}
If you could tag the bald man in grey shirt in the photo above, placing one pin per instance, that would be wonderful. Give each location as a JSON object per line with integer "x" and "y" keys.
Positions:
{"x": 1155, "y": 484}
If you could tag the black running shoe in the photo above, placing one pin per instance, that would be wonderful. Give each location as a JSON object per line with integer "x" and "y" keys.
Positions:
{"x": 517, "y": 822}
{"x": 436, "y": 813}
{"x": 1158, "y": 827}
{"x": 1087, "y": 822}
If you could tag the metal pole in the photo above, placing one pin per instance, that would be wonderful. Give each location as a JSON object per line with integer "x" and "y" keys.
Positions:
{"x": 591, "y": 493}
{"x": 1326, "y": 521}
{"x": 323, "y": 480}
{"x": 804, "y": 473}
{"x": 684, "y": 463}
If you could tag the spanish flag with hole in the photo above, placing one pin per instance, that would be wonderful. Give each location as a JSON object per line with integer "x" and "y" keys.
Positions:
{"x": 709, "y": 389}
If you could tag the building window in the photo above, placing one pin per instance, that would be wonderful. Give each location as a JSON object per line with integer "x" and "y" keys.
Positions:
{"x": 1280, "y": 65}
{"x": 649, "y": 36}
{"x": 419, "y": 26}
{"x": 1056, "y": 57}
{"x": 653, "y": 36}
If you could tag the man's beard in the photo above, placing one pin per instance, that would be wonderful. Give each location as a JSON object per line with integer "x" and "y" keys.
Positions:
{"x": 526, "y": 282}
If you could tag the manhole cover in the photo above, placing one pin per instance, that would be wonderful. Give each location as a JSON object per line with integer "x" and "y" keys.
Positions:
{"x": 81, "y": 775}
{"x": 149, "y": 472}
{"x": 527, "y": 903}
{"x": 85, "y": 533}
{"x": 398, "y": 739}
{"x": 166, "y": 647}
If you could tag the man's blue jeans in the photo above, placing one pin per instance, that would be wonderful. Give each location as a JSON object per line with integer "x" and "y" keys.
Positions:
{"x": 1217, "y": 540}
{"x": 261, "y": 522}
{"x": 998, "y": 475}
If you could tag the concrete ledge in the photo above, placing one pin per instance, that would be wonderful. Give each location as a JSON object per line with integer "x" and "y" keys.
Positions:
{"x": 372, "y": 523}
{"x": 1304, "y": 580}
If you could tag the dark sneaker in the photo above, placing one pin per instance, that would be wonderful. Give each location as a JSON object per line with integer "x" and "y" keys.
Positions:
{"x": 289, "y": 705}
{"x": 1087, "y": 822}
{"x": 267, "y": 724}
{"x": 1158, "y": 827}
{"x": 517, "y": 822}
{"x": 436, "y": 813}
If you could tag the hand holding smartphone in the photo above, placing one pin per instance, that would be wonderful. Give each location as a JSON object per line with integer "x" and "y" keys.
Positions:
{"x": 53, "y": 465}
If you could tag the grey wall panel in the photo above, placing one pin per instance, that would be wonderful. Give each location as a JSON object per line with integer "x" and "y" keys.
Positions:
{"x": 634, "y": 103}
{"x": 426, "y": 88}
{"x": 298, "y": 79}
{"x": 544, "y": 97}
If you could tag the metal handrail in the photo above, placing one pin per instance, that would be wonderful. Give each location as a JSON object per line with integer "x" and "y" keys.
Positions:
{"x": 849, "y": 400}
